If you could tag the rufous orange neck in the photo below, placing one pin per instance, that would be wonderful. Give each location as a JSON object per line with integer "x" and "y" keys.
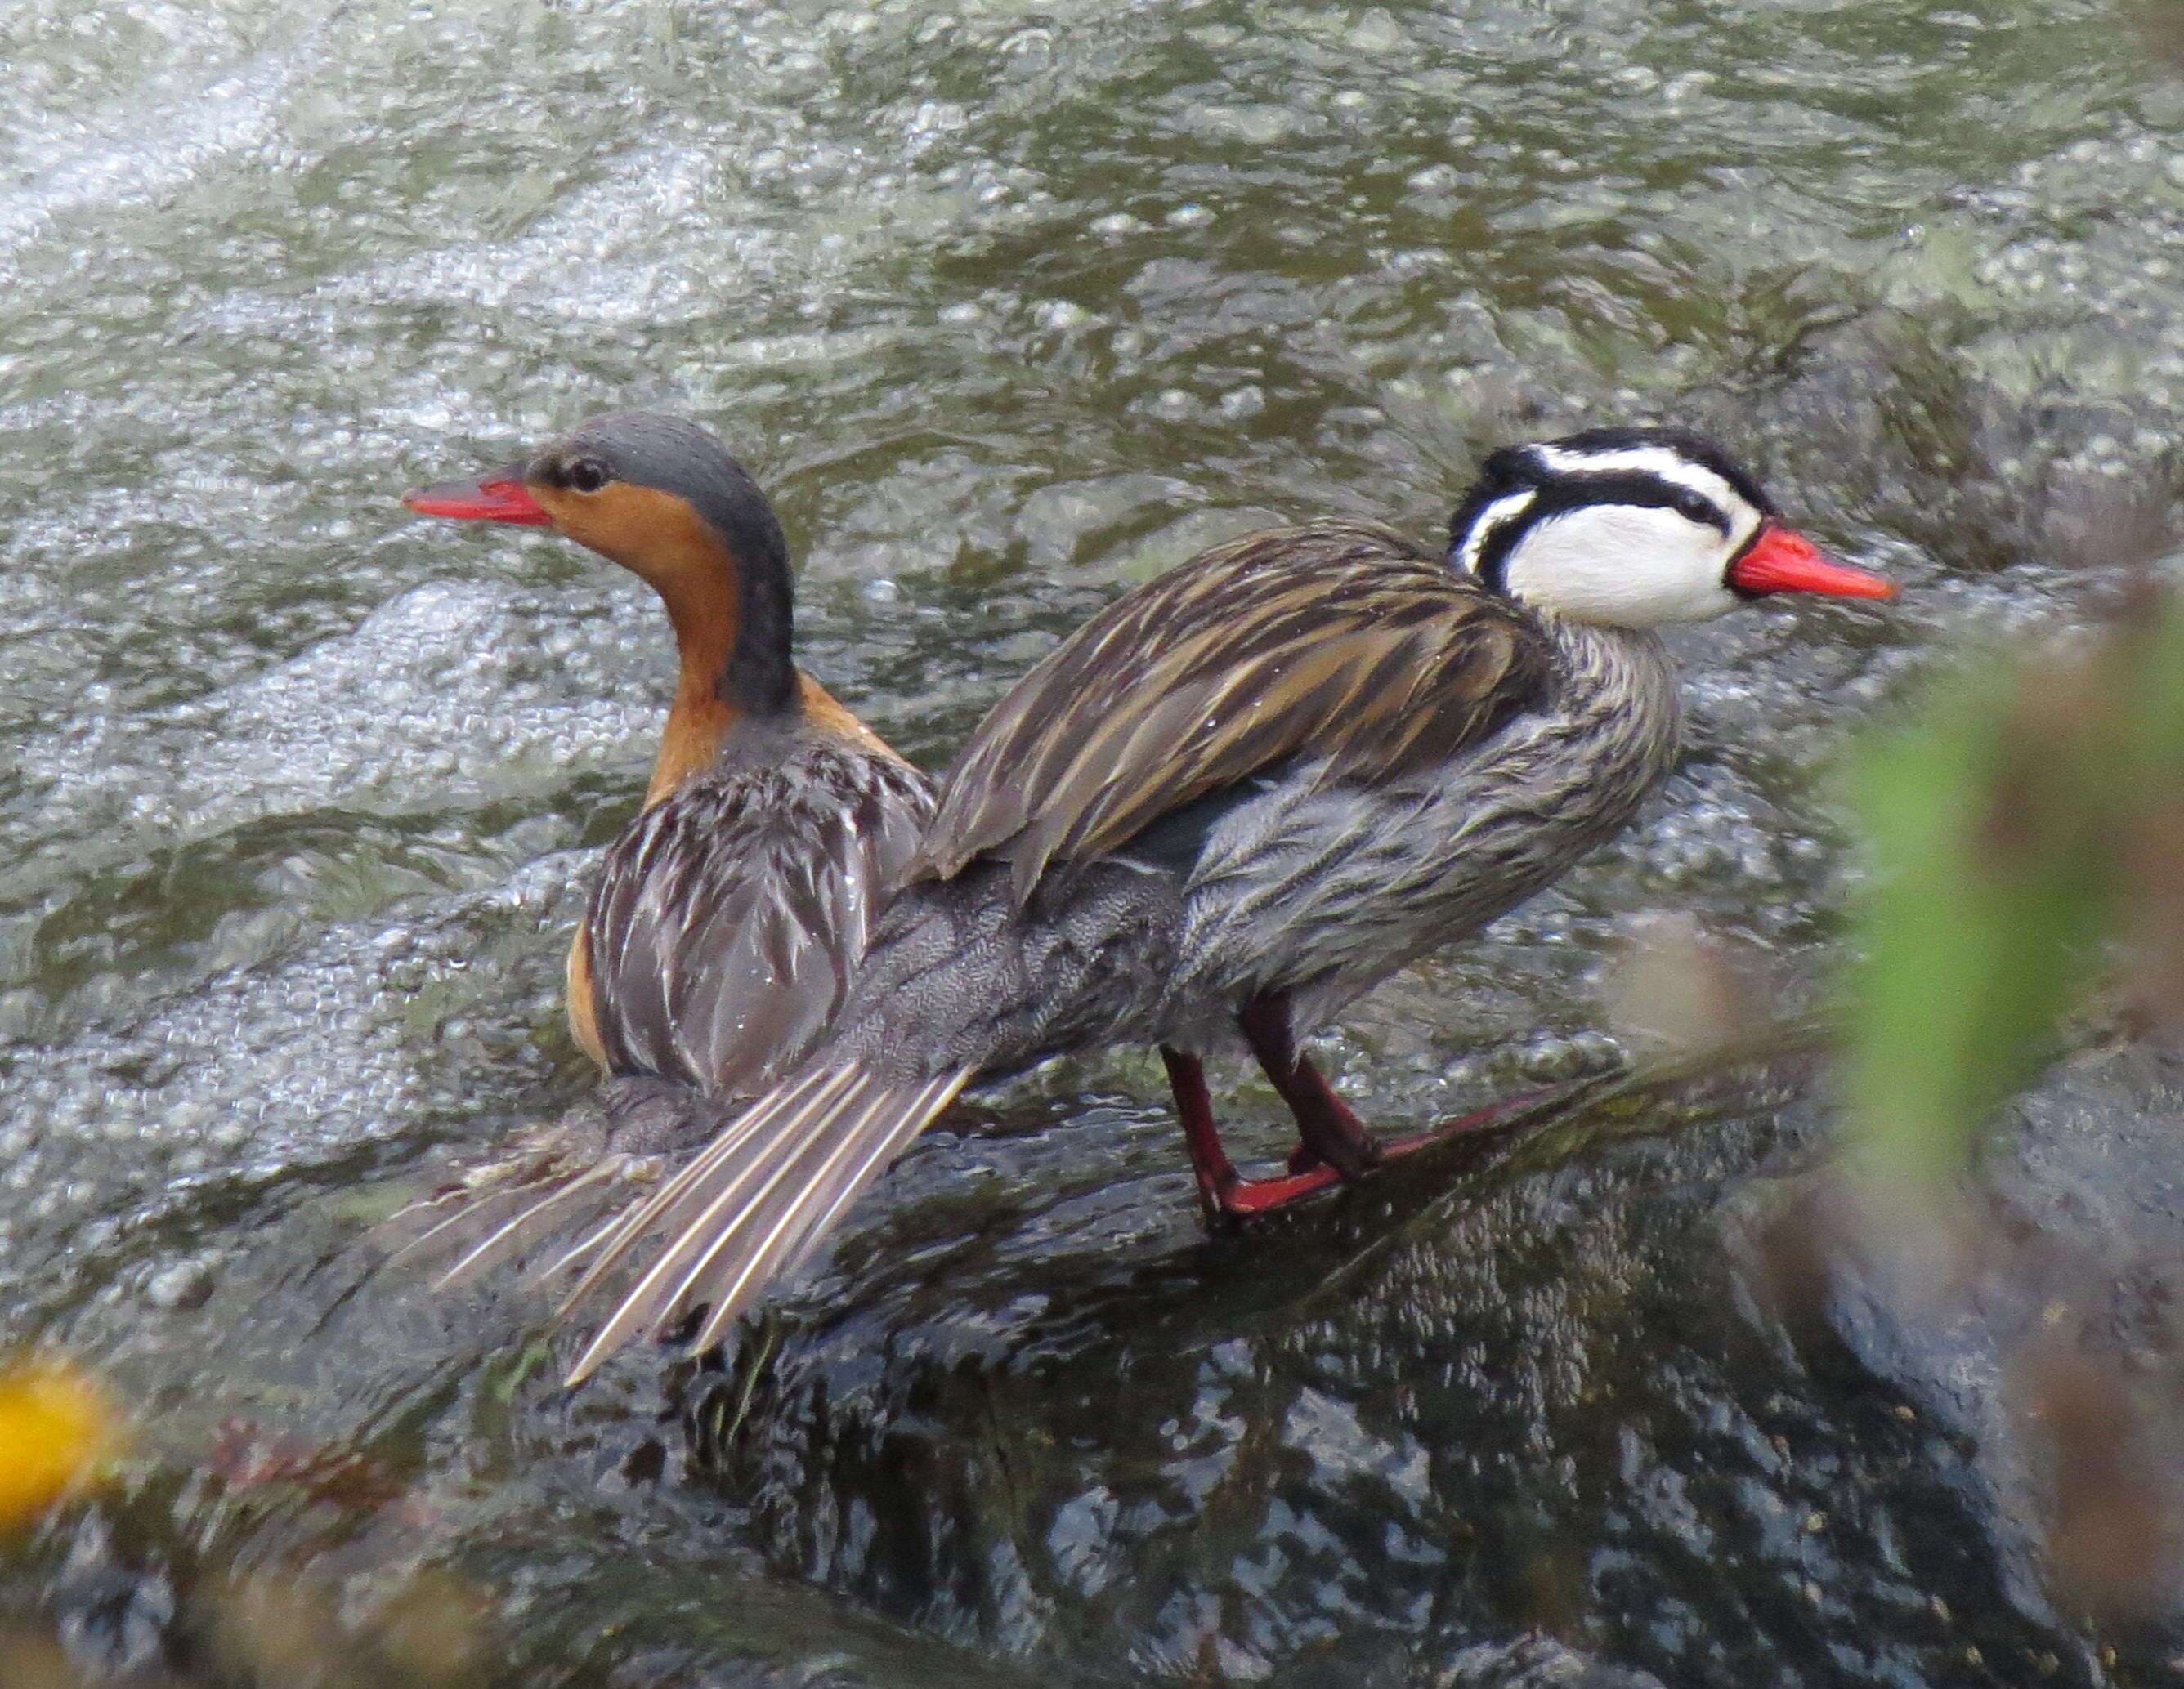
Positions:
{"x": 725, "y": 587}
{"x": 702, "y": 611}
{"x": 832, "y": 718}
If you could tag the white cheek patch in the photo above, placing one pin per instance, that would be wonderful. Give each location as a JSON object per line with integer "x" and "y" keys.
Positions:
{"x": 1623, "y": 565}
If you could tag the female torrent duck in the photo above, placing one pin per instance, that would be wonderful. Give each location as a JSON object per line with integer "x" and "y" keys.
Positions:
{"x": 727, "y": 918}
{"x": 1233, "y": 800}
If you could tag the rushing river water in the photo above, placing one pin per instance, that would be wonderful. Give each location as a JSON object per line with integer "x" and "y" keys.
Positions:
{"x": 1007, "y": 306}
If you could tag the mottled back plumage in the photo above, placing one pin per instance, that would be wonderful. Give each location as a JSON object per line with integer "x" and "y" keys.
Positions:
{"x": 1337, "y": 640}
{"x": 1327, "y": 676}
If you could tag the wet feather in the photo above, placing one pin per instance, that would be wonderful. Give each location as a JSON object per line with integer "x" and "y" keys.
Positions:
{"x": 1276, "y": 646}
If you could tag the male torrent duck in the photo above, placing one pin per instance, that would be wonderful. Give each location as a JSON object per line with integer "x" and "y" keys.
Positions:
{"x": 1236, "y": 798}
{"x": 727, "y": 918}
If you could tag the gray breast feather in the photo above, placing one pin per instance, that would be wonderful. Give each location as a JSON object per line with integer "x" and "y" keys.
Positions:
{"x": 1331, "y": 886}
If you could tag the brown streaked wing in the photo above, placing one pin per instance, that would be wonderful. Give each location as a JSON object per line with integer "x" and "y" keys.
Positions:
{"x": 726, "y": 919}
{"x": 1336, "y": 639}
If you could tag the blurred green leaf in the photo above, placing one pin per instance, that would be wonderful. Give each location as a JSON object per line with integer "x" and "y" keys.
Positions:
{"x": 2026, "y": 813}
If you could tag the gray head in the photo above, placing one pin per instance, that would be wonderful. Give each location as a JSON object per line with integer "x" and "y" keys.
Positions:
{"x": 662, "y": 497}
{"x": 627, "y": 484}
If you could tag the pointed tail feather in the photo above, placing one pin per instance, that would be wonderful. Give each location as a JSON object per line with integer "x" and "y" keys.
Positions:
{"x": 714, "y": 1166}
{"x": 487, "y": 1223}
{"x": 532, "y": 1221}
{"x": 592, "y": 1240}
{"x": 759, "y": 1200}
{"x": 465, "y": 1211}
{"x": 551, "y": 1178}
{"x": 797, "y": 1217}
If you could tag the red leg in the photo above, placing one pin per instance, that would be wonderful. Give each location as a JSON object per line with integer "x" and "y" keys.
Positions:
{"x": 1332, "y": 1119}
{"x": 1479, "y": 1119}
{"x": 1335, "y": 1145}
{"x": 1331, "y": 1135}
{"x": 1222, "y": 1191}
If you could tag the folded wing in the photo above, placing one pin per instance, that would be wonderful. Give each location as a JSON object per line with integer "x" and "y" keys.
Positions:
{"x": 1337, "y": 640}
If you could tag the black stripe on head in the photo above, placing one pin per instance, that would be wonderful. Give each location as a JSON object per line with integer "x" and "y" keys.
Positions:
{"x": 1687, "y": 443}
{"x": 1506, "y": 473}
{"x": 1561, "y": 494}
{"x": 1491, "y": 563}
{"x": 1630, "y": 486}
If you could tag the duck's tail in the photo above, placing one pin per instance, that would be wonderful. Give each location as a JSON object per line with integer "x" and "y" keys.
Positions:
{"x": 605, "y": 1154}
{"x": 757, "y": 1200}
{"x": 483, "y": 1228}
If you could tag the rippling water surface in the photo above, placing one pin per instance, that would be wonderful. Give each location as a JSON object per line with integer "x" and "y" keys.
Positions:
{"x": 1008, "y": 307}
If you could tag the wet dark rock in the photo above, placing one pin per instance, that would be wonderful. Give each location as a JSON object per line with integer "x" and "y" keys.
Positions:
{"x": 1539, "y": 1391}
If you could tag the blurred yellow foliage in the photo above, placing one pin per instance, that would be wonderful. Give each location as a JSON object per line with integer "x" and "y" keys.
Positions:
{"x": 57, "y": 1428}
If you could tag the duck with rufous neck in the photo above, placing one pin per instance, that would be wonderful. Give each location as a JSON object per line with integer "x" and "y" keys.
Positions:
{"x": 726, "y": 918}
{"x": 1241, "y": 795}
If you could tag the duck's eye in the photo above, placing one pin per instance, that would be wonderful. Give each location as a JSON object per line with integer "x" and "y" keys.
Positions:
{"x": 586, "y": 475}
{"x": 1694, "y": 507}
